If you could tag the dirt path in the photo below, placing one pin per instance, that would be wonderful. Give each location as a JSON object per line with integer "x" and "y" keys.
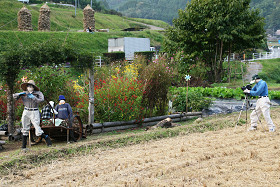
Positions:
{"x": 253, "y": 68}
{"x": 151, "y": 27}
{"x": 229, "y": 157}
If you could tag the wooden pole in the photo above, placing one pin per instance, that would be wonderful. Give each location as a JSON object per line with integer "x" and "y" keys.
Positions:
{"x": 91, "y": 96}
{"x": 187, "y": 96}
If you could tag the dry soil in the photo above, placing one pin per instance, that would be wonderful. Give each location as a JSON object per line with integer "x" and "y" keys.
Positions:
{"x": 229, "y": 157}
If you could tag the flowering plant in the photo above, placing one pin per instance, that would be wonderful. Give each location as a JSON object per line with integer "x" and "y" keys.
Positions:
{"x": 118, "y": 99}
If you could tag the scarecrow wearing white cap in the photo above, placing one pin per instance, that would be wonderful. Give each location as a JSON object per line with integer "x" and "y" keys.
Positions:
{"x": 262, "y": 105}
{"x": 31, "y": 97}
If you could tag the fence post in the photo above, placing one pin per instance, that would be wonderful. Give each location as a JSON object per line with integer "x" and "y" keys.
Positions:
{"x": 91, "y": 96}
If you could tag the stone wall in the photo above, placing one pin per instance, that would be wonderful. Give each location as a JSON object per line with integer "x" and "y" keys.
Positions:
{"x": 24, "y": 20}
{"x": 89, "y": 20}
{"x": 44, "y": 23}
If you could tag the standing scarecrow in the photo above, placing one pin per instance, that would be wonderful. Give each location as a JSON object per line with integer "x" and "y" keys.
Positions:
{"x": 31, "y": 97}
{"x": 262, "y": 105}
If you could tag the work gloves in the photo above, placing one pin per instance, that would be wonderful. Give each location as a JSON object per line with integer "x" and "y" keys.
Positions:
{"x": 253, "y": 81}
{"x": 246, "y": 91}
{"x": 31, "y": 96}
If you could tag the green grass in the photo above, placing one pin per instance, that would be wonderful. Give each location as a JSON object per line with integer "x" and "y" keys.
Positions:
{"x": 271, "y": 71}
{"x": 64, "y": 19}
{"x": 64, "y": 26}
{"x": 96, "y": 43}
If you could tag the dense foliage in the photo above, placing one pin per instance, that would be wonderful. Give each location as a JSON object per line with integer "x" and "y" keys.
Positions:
{"x": 164, "y": 10}
{"x": 197, "y": 101}
{"x": 270, "y": 10}
{"x": 208, "y": 31}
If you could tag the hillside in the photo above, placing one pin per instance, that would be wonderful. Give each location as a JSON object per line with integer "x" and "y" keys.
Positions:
{"x": 63, "y": 18}
{"x": 167, "y": 10}
{"x": 65, "y": 26}
{"x": 164, "y": 10}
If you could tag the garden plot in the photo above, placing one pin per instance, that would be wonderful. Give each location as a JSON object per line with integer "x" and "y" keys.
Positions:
{"x": 229, "y": 157}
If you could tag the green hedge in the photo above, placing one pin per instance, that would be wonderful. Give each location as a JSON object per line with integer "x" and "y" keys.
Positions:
{"x": 147, "y": 54}
{"x": 113, "y": 57}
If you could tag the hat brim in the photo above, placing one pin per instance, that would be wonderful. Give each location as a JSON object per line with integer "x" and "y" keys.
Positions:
{"x": 24, "y": 87}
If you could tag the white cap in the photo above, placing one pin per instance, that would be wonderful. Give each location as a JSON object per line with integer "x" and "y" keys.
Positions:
{"x": 51, "y": 103}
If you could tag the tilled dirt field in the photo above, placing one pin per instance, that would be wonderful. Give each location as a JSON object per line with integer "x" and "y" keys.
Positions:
{"x": 229, "y": 157}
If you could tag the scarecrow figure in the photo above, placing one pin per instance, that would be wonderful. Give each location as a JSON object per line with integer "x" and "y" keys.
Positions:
{"x": 48, "y": 111}
{"x": 262, "y": 105}
{"x": 31, "y": 97}
{"x": 65, "y": 113}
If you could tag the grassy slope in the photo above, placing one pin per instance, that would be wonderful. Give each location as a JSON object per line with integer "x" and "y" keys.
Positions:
{"x": 64, "y": 26}
{"x": 63, "y": 18}
{"x": 96, "y": 42}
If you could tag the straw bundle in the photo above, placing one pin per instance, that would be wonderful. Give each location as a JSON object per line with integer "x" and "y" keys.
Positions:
{"x": 89, "y": 20}
{"x": 24, "y": 20}
{"x": 44, "y": 23}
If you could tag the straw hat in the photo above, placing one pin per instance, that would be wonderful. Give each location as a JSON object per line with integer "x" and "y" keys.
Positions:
{"x": 30, "y": 82}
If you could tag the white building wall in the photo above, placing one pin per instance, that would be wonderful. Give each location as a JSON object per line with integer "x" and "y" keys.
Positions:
{"x": 115, "y": 44}
{"x": 128, "y": 45}
{"x": 24, "y": 1}
{"x": 132, "y": 45}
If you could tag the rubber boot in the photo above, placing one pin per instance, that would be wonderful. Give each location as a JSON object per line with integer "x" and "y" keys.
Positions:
{"x": 47, "y": 138}
{"x": 24, "y": 142}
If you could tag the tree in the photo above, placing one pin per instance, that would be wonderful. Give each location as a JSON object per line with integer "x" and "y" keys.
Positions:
{"x": 209, "y": 30}
{"x": 17, "y": 57}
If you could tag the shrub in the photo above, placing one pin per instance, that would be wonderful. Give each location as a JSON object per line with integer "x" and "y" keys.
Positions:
{"x": 196, "y": 100}
{"x": 52, "y": 81}
{"x": 157, "y": 76}
{"x": 118, "y": 99}
{"x": 113, "y": 57}
{"x": 146, "y": 54}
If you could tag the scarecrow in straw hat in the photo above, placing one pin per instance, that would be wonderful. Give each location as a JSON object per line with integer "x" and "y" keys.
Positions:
{"x": 31, "y": 97}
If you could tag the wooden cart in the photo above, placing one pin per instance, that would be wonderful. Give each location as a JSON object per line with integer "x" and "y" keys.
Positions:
{"x": 60, "y": 132}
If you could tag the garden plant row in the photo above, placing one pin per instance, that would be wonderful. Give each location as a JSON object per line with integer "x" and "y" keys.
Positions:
{"x": 219, "y": 92}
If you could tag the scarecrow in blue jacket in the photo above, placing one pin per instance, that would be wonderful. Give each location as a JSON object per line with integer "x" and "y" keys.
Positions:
{"x": 65, "y": 113}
